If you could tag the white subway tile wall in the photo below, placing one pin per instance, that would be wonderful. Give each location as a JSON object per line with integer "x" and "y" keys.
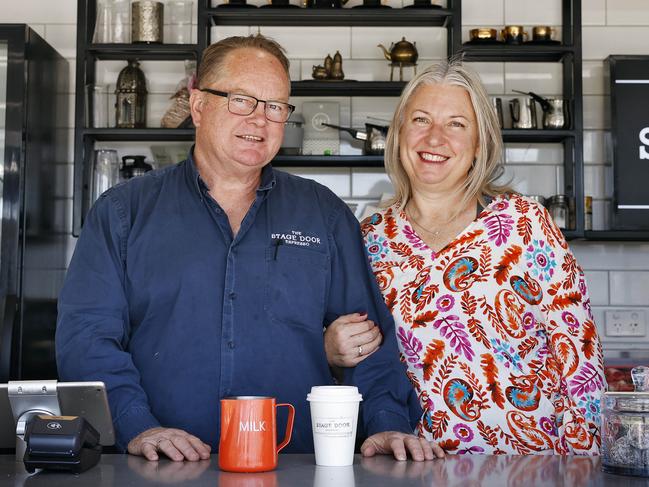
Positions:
{"x": 618, "y": 273}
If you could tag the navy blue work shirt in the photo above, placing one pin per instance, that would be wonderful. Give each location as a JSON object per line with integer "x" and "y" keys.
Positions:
{"x": 173, "y": 313}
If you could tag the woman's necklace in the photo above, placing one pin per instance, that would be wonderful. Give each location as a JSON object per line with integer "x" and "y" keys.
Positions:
{"x": 433, "y": 233}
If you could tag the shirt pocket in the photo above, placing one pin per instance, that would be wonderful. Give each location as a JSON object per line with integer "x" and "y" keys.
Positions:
{"x": 296, "y": 286}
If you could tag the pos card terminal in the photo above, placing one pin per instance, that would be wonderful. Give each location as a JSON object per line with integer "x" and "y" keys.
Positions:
{"x": 55, "y": 425}
{"x": 67, "y": 443}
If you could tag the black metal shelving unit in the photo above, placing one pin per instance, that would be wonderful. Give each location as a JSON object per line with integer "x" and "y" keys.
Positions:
{"x": 568, "y": 53}
{"x": 435, "y": 17}
{"x": 153, "y": 134}
{"x": 618, "y": 235}
{"x": 328, "y": 161}
{"x": 158, "y": 52}
{"x": 348, "y": 88}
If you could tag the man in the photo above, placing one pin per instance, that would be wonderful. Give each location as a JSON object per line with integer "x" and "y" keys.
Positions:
{"x": 214, "y": 278}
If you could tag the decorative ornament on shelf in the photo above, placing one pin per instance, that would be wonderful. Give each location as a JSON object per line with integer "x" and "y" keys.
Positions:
{"x": 131, "y": 94}
{"x": 147, "y": 21}
{"x": 178, "y": 114}
{"x": 401, "y": 54}
{"x": 332, "y": 69}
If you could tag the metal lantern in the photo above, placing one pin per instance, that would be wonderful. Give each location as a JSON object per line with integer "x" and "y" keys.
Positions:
{"x": 130, "y": 107}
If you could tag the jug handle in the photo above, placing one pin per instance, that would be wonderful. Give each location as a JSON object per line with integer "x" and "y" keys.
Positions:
{"x": 516, "y": 116}
{"x": 289, "y": 426}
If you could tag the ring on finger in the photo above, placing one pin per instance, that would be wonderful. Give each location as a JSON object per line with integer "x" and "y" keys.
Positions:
{"x": 360, "y": 350}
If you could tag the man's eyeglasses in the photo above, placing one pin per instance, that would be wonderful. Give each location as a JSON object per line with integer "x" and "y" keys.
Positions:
{"x": 275, "y": 111}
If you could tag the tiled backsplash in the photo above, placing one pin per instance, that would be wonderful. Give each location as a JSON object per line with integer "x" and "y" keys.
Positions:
{"x": 618, "y": 273}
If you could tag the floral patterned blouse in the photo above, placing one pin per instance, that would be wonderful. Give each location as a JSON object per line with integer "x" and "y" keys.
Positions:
{"x": 496, "y": 330}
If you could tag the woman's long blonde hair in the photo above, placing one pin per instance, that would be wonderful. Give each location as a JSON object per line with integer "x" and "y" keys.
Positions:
{"x": 488, "y": 165}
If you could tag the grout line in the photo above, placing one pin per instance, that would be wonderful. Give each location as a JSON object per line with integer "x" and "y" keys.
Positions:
{"x": 608, "y": 284}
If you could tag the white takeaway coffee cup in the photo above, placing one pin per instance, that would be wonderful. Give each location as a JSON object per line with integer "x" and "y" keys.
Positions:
{"x": 334, "y": 416}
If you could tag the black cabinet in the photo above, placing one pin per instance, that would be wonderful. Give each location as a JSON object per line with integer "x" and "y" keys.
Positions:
{"x": 33, "y": 83}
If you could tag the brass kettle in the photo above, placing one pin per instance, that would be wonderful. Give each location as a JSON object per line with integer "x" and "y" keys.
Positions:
{"x": 403, "y": 52}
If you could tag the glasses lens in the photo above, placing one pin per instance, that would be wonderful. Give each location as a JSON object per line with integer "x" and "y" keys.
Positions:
{"x": 277, "y": 111}
{"x": 241, "y": 104}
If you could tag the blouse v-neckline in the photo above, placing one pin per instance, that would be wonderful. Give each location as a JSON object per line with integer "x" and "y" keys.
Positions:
{"x": 405, "y": 221}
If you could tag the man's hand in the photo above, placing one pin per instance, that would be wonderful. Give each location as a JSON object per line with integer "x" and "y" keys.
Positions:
{"x": 178, "y": 445}
{"x": 398, "y": 444}
{"x": 350, "y": 339}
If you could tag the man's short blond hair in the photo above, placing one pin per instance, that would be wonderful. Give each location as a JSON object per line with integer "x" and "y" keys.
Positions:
{"x": 212, "y": 62}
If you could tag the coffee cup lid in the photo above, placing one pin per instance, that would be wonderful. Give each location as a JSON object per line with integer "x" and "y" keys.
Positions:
{"x": 334, "y": 394}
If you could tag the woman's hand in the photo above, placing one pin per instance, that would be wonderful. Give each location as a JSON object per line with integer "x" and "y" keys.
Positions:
{"x": 351, "y": 339}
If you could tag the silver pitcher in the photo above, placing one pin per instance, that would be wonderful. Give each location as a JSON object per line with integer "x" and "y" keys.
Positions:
{"x": 555, "y": 116}
{"x": 523, "y": 111}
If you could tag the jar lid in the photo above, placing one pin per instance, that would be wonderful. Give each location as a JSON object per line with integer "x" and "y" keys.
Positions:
{"x": 630, "y": 402}
{"x": 334, "y": 394}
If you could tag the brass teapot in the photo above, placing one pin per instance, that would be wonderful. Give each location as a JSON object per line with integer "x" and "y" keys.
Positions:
{"x": 403, "y": 52}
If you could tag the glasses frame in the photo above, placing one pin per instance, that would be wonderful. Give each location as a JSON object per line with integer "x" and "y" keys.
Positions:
{"x": 227, "y": 95}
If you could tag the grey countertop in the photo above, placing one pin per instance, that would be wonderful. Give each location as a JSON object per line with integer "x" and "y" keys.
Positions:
{"x": 300, "y": 470}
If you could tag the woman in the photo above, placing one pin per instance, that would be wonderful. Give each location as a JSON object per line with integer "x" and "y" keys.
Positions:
{"x": 491, "y": 308}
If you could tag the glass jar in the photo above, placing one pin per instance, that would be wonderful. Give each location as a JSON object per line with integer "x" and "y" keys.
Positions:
{"x": 625, "y": 428}
{"x": 558, "y": 208}
{"x": 96, "y": 106}
{"x": 105, "y": 171}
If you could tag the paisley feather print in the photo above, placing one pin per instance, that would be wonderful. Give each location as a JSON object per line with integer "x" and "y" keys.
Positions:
{"x": 511, "y": 256}
{"x": 566, "y": 353}
{"x": 491, "y": 375}
{"x": 401, "y": 249}
{"x": 468, "y": 237}
{"x": 434, "y": 352}
{"x": 390, "y": 226}
{"x": 440, "y": 423}
{"x": 588, "y": 379}
{"x": 410, "y": 344}
{"x": 444, "y": 371}
{"x": 391, "y": 299}
{"x": 499, "y": 228}
{"x": 570, "y": 267}
{"x": 588, "y": 340}
{"x": 449, "y": 445}
{"x": 564, "y": 301}
{"x": 424, "y": 319}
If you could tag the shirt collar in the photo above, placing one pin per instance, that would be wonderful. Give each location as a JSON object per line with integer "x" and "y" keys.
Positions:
{"x": 267, "y": 182}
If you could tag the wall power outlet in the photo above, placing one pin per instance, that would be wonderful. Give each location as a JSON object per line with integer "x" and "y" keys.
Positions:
{"x": 626, "y": 323}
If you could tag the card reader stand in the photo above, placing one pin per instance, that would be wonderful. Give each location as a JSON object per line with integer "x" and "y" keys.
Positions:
{"x": 55, "y": 425}
{"x": 64, "y": 443}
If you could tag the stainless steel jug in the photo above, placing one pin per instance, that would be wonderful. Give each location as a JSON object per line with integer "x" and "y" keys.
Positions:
{"x": 555, "y": 117}
{"x": 523, "y": 111}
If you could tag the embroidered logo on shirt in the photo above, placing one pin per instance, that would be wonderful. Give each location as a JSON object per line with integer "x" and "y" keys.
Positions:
{"x": 296, "y": 237}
